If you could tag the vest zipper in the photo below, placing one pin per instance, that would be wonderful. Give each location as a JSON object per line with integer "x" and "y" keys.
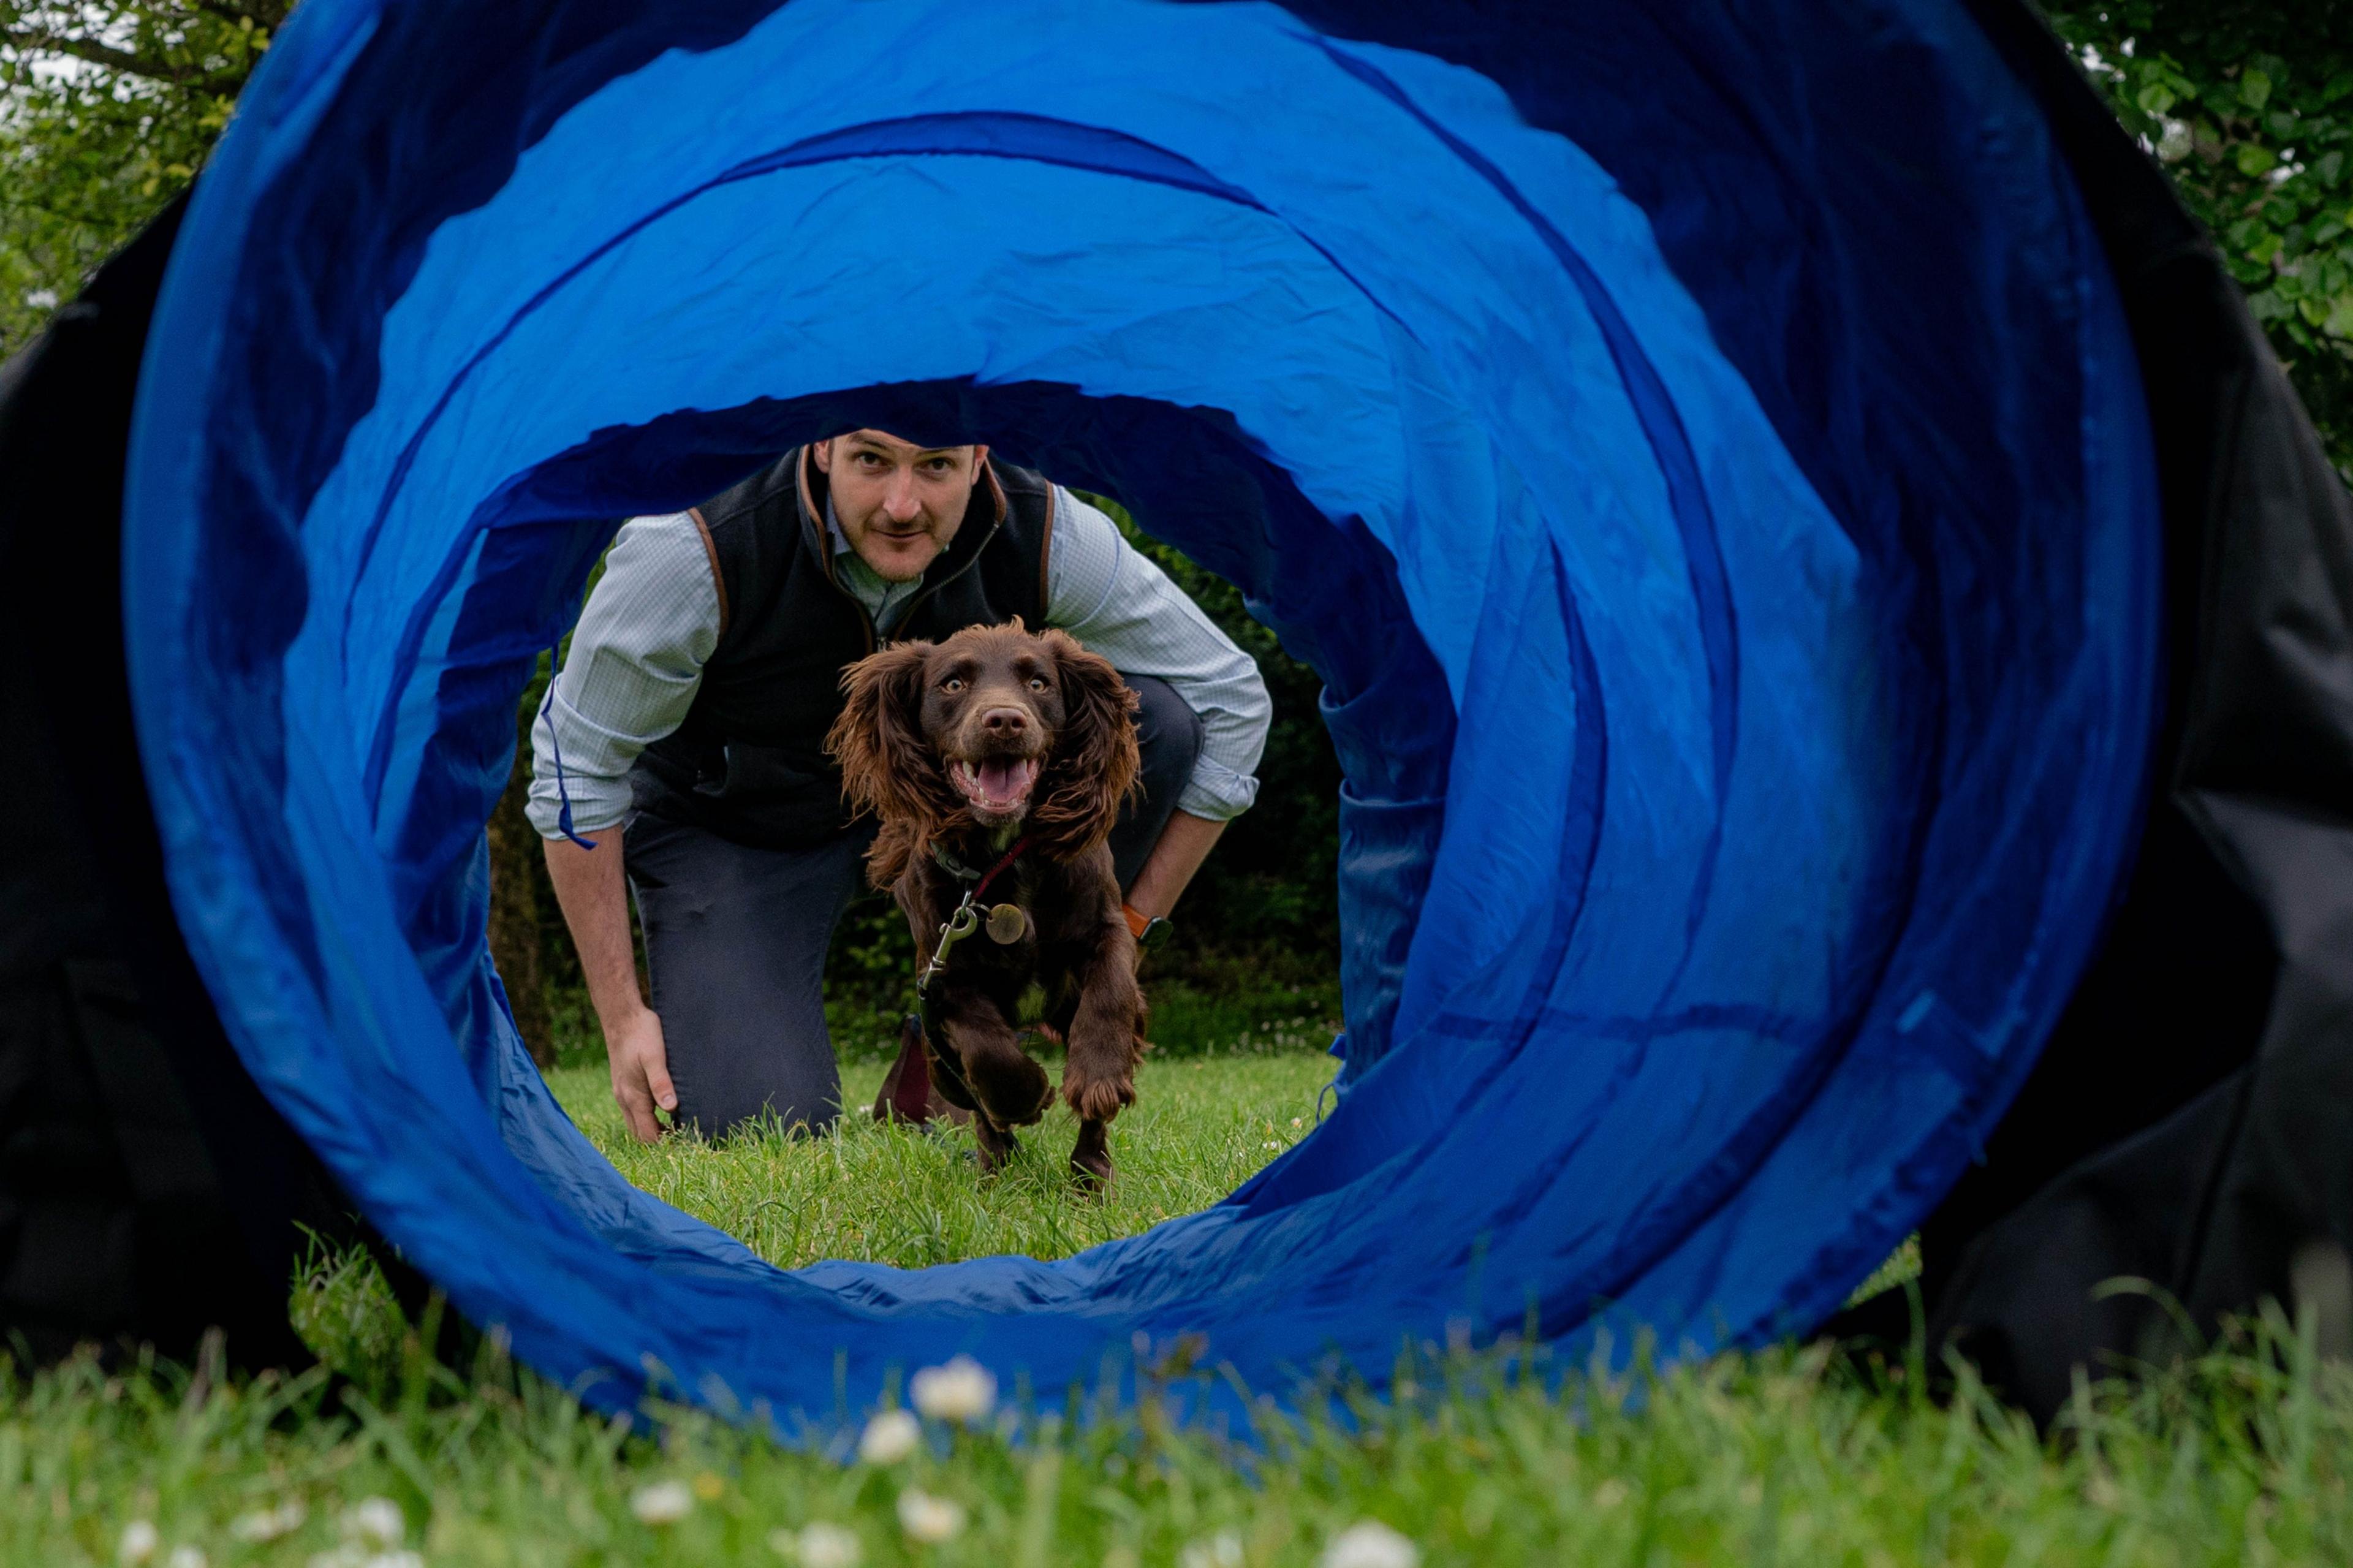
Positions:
{"x": 917, "y": 602}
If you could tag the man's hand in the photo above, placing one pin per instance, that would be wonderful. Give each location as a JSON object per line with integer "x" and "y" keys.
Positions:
{"x": 594, "y": 896}
{"x": 640, "y": 1063}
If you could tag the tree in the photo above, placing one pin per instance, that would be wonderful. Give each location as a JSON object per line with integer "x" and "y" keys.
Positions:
{"x": 2249, "y": 106}
{"x": 106, "y": 111}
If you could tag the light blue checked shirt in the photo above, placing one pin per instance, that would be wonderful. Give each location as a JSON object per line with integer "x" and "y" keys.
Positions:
{"x": 636, "y": 657}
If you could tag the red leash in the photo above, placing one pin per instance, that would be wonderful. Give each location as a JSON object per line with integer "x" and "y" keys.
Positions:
{"x": 1010, "y": 856}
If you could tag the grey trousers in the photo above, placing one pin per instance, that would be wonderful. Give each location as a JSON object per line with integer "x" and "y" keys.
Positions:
{"x": 736, "y": 939}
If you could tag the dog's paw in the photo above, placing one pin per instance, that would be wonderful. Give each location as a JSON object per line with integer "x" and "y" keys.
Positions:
{"x": 1090, "y": 1160}
{"x": 997, "y": 1145}
{"x": 1095, "y": 1098}
{"x": 1091, "y": 1173}
{"x": 1012, "y": 1088}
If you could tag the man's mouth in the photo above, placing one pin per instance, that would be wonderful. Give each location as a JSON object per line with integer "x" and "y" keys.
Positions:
{"x": 998, "y": 786}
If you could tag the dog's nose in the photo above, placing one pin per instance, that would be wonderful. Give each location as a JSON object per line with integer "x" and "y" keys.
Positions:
{"x": 1004, "y": 721}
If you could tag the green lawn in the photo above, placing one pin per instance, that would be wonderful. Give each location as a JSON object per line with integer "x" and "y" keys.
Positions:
{"x": 1792, "y": 1456}
{"x": 889, "y": 1193}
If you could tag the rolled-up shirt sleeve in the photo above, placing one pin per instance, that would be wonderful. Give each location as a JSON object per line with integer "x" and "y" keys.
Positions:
{"x": 1115, "y": 599}
{"x": 634, "y": 664}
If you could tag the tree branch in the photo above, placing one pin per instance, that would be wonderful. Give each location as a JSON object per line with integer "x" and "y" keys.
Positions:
{"x": 230, "y": 82}
{"x": 260, "y": 13}
{"x": 105, "y": 55}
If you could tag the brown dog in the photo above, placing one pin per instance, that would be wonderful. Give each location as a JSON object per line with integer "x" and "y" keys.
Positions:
{"x": 1004, "y": 742}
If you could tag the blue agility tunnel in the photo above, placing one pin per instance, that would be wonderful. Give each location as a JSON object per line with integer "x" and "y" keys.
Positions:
{"x": 1700, "y": 448}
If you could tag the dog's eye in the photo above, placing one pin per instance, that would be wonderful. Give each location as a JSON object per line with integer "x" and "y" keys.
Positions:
{"x": 952, "y": 685}
{"x": 1036, "y": 683}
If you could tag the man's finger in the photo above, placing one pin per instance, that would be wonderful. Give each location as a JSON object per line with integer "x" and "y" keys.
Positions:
{"x": 658, "y": 1084}
{"x": 637, "y": 1105}
{"x": 640, "y": 1116}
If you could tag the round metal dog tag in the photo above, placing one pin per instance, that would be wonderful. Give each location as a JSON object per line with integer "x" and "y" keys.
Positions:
{"x": 1006, "y": 923}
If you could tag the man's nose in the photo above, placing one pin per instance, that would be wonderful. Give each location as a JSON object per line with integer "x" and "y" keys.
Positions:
{"x": 1006, "y": 721}
{"x": 899, "y": 502}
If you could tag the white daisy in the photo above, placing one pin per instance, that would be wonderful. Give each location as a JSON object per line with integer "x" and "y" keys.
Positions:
{"x": 664, "y": 1502}
{"x": 377, "y": 1519}
{"x": 819, "y": 1545}
{"x": 963, "y": 1391}
{"x": 139, "y": 1539}
{"x": 1370, "y": 1544}
{"x": 1223, "y": 1549}
{"x": 929, "y": 1518}
{"x": 889, "y": 1437}
{"x": 270, "y": 1523}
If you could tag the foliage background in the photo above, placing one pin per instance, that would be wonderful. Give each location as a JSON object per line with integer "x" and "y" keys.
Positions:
{"x": 2248, "y": 104}
{"x": 107, "y": 110}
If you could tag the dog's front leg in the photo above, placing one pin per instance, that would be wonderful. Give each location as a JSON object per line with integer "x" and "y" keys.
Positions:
{"x": 1100, "y": 1076}
{"x": 1010, "y": 1090}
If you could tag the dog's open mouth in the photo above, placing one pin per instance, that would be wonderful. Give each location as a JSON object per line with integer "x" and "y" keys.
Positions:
{"x": 997, "y": 786}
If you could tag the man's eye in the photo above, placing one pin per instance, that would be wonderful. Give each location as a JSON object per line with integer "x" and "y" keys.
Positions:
{"x": 1036, "y": 683}
{"x": 952, "y": 685}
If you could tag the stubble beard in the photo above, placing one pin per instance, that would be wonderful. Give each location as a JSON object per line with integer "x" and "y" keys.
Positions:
{"x": 897, "y": 573}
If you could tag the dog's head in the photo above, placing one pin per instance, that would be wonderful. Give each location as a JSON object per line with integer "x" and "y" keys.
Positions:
{"x": 996, "y": 726}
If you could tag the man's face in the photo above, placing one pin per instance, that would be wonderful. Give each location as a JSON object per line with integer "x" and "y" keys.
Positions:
{"x": 899, "y": 504}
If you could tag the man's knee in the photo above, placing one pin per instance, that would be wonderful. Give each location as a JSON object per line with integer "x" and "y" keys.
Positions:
{"x": 1168, "y": 733}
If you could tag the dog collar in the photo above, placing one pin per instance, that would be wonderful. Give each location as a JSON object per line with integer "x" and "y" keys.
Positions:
{"x": 948, "y": 862}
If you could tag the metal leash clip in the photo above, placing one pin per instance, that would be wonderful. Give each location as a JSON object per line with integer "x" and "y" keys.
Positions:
{"x": 953, "y": 930}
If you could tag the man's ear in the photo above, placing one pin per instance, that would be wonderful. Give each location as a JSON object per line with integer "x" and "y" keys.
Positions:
{"x": 878, "y": 739}
{"x": 979, "y": 458}
{"x": 823, "y": 452}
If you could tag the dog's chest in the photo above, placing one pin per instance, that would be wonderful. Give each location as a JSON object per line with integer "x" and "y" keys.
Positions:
{"x": 1016, "y": 920}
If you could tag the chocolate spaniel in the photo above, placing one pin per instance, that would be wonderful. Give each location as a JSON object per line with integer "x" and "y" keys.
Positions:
{"x": 998, "y": 760}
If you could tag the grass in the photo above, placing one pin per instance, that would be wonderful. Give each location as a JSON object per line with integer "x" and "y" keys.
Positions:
{"x": 1791, "y": 1455}
{"x": 889, "y": 1194}
{"x": 1787, "y": 1455}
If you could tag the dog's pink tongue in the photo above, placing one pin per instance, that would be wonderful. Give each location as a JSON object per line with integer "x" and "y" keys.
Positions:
{"x": 1003, "y": 778}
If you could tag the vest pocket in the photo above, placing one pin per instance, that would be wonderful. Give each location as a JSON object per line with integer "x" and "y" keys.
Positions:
{"x": 750, "y": 776}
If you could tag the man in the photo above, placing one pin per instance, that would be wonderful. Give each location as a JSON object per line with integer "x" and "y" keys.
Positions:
{"x": 684, "y": 737}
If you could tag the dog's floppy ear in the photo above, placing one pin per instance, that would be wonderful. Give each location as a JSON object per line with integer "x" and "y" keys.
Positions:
{"x": 1096, "y": 765}
{"x": 887, "y": 767}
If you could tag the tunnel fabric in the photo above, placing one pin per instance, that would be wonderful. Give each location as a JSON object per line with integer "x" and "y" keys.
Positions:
{"x": 1717, "y": 500}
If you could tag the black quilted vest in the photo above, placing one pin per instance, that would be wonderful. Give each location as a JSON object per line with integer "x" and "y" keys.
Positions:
{"x": 749, "y": 762}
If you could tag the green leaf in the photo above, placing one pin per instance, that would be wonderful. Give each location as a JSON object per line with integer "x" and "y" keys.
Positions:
{"x": 2254, "y": 88}
{"x": 2339, "y": 86}
{"x": 2256, "y": 160}
{"x": 2280, "y": 122}
{"x": 2155, "y": 98}
{"x": 2329, "y": 169}
{"x": 2266, "y": 305}
{"x": 2339, "y": 323}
